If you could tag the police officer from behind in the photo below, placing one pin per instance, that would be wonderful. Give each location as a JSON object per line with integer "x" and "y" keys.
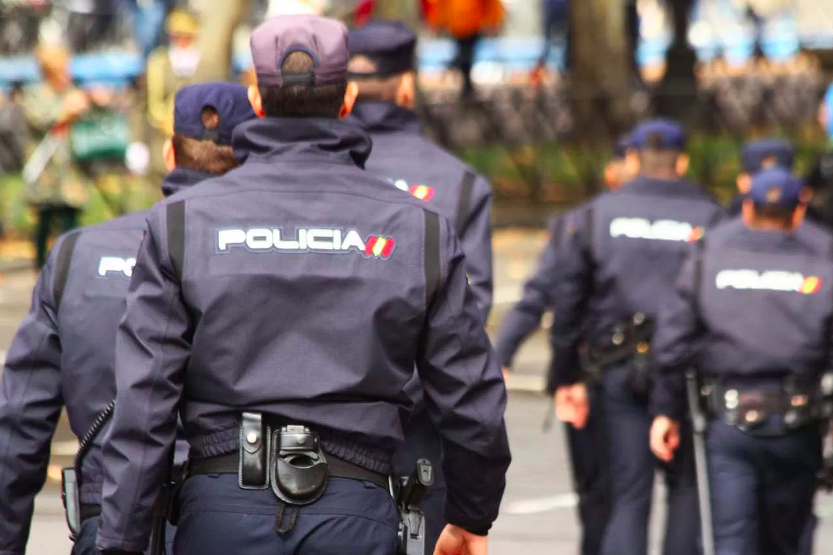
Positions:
{"x": 382, "y": 64}
{"x": 62, "y": 355}
{"x": 589, "y": 475}
{"x": 623, "y": 251}
{"x": 281, "y": 309}
{"x": 756, "y": 156}
{"x": 755, "y": 296}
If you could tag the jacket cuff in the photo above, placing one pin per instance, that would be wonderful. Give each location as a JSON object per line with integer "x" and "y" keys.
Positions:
{"x": 564, "y": 369}
{"x": 478, "y": 530}
{"x": 668, "y": 398}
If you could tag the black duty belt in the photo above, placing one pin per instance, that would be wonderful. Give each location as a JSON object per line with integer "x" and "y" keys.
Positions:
{"x": 90, "y": 511}
{"x": 337, "y": 468}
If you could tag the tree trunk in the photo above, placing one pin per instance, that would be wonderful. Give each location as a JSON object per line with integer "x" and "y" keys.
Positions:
{"x": 676, "y": 93}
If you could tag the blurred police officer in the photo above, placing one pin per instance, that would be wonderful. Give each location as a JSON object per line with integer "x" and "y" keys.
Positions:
{"x": 382, "y": 63}
{"x": 282, "y": 308}
{"x": 755, "y": 296}
{"x": 624, "y": 249}
{"x": 759, "y": 155}
{"x": 820, "y": 178}
{"x": 589, "y": 474}
{"x": 63, "y": 353}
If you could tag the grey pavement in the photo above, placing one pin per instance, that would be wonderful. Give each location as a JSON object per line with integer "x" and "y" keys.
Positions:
{"x": 538, "y": 516}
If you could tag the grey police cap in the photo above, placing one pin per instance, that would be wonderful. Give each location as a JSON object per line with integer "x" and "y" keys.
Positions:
{"x": 325, "y": 40}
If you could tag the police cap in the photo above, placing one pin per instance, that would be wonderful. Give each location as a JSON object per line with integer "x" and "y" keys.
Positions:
{"x": 757, "y": 155}
{"x": 230, "y": 101}
{"x": 388, "y": 46}
{"x": 659, "y": 134}
{"x": 325, "y": 40}
{"x": 775, "y": 187}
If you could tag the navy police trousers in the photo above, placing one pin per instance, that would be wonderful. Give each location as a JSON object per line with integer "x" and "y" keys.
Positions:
{"x": 590, "y": 477}
{"x": 85, "y": 542}
{"x": 632, "y": 467}
{"x": 762, "y": 489}
{"x": 219, "y": 518}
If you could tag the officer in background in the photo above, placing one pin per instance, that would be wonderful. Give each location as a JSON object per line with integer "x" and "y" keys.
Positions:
{"x": 755, "y": 296}
{"x": 63, "y": 353}
{"x": 589, "y": 475}
{"x": 759, "y": 155}
{"x": 169, "y": 68}
{"x": 820, "y": 178}
{"x": 382, "y": 57}
{"x": 622, "y": 252}
{"x": 281, "y": 309}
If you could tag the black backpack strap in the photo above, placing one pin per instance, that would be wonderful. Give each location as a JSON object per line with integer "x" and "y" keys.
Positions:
{"x": 62, "y": 268}
{"x": 432, "y": 256}
{"x": 176, "y": 235}
{"x": 466, "y": 188}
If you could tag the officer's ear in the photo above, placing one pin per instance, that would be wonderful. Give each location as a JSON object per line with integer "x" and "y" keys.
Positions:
{"x": 406, "y": 92}
{"x": 612, "y": 174}
{"x": 744, "y": 183}
{"x": 168, "y": 155}
{"x": 632, "y": 165}
{"x": 747, "y": 212}
{"x": 256, "y": 101}
{"x": 349, "y": 99}
{"x": 683, "y": 161}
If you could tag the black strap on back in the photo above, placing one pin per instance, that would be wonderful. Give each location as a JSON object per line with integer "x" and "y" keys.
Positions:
{"x": 700, "y": 245}
{"x": 62, "y": 269}
{"x": 432, "y": 256}
{"x": 587, "y": 236}
{"x": 176, "y": 235}
{"x": 466, "y": 188}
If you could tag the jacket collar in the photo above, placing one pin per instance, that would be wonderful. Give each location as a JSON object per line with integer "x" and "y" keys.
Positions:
{"x": 301, "y": 139}
{"x": 385, "y": 117}
{"x": 182, "y": 178}
{"x": 664, "y": 187}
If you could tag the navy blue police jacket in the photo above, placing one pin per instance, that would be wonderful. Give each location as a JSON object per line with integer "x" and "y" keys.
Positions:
{"x": 301, "y": 286}
{"x": 748, "y": 305}
{"x": 624, "y": 250}
{"x": 62, "y": 356}
{"x": 409, "y": 161}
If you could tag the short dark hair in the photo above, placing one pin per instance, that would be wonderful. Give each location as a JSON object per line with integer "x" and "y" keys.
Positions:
{"x": 777, "y": 214}
{"x": 302, "y": 101}
{"x": 204, "y": 156}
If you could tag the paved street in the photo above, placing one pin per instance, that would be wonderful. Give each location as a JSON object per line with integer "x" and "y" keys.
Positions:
{"x": 538, "y": 516}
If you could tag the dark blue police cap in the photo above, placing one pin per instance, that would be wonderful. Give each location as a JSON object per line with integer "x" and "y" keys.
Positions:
{"x": 388, "y": 46}
{"x": 230, "y": 101}
{"x": 621, "y": 148}
{"x": 767, "y": 153}
{"x": 775, "y": 187}
{"x": 659, "y": 134}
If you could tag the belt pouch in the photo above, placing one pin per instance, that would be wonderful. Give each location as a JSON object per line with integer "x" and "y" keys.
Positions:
{"x": 298, "y": 466}
{"x": 253, "y": 473}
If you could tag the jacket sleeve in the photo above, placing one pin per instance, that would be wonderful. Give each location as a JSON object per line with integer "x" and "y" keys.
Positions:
{"x": 476, "y": 239}
{"x": 152, "y": 348}
{"x": 525, "y": 316}
{"x": 30, "y": 405}
{"x": 678, "y": 333}
{"x": 571, "y": 293}
{"x": 465, "y": 396}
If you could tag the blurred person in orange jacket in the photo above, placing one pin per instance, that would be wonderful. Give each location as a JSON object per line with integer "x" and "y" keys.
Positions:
{"x": 467, "y": 21}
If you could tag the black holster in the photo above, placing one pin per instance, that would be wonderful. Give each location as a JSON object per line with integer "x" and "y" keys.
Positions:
{"x": 71, "y": 498}
{"x": 628, "y": 342}
{"x": 409, "y": 493}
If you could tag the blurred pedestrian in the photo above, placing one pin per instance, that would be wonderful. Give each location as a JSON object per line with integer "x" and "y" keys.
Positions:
{"x": 467, "y": 21}
{"x": 556, "y": 18}
{"x": 59, "y": 191}
{"x": 820, "y": 178}
{"x": 218, "y": 21}
{"x": 169, "y": 68}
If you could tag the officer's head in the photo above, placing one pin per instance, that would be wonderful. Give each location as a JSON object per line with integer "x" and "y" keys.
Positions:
{"x": 182, "y": 27}
{"x": 776, "y": 200}
{"x": 382, "y": 55}
{"x": 762, "y": 155}
{"x": 658, "y": 150}
{"x": 301, "y": 67}
{"x": 616, "y": 170}
{"x": 204, "y": 118}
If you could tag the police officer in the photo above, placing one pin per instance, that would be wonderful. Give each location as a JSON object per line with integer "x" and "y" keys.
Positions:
{"x": 589, "y": 475}
{"x": 756, "y": 156}
{"x": 63, "y": 353}
{"x": 382, "y": 64}
{"x": 623, "y": 251}
{"x": 282, "y": 308}
{"x": 756, "y": 297}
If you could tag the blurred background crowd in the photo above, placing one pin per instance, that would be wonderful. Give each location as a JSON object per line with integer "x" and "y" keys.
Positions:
{"x": 531, "y": 92}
